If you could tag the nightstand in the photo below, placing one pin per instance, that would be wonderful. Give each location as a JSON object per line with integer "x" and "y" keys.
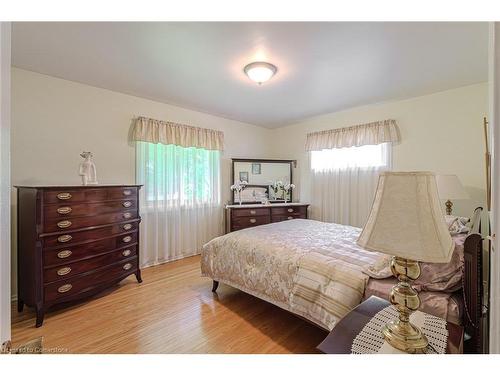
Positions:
{"x": 340, "y": 339}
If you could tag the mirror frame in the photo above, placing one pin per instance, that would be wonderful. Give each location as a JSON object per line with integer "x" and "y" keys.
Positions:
{"x": 283, "y": 161}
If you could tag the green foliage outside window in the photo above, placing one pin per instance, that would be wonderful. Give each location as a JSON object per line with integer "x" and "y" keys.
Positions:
{"x": 181, "y": 175}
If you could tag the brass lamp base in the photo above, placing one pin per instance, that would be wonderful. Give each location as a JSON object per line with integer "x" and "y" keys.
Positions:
{"x": 405, "y": 337}
{"x": 400, "y": 333}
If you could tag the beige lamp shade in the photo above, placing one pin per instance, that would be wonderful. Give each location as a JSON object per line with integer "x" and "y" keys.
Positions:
{"x": 406, "y": 219}
{"x": 450, "y": 187}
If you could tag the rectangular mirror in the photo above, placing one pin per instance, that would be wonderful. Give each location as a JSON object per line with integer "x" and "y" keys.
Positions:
{"x": 262, "y": 176}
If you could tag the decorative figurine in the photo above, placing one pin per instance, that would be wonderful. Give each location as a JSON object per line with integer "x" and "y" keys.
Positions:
{"x": 238, "y": 187}
{"x": 87, "y": 169}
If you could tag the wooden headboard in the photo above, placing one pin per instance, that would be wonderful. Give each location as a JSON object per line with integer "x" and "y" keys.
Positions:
{"x": 473, "y": 286}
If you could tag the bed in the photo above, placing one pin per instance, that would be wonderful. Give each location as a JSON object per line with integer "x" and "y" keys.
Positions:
{"x": 317, "y": 271}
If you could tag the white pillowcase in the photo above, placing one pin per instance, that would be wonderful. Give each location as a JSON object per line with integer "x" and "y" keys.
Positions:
{"x": 457, "y": 224}
{"x": 381, "y": 269}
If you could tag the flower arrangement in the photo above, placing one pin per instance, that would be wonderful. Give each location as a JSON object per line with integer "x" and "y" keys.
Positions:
{"x": 238, "y": 187}
{"x": 287, "y": 188}
{"x": 276, "y": 186}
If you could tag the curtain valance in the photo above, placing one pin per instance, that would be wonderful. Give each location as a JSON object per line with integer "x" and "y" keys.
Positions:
{"x": 165, "y": 132}
{"x": 372, "y": 133}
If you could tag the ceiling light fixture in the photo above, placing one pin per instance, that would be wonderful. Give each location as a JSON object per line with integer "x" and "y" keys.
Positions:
{"x": 260, "y": 71}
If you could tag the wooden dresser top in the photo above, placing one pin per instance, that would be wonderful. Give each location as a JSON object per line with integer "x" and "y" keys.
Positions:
{"x": 72, "y": 186}
{"x": 259, "y": 205}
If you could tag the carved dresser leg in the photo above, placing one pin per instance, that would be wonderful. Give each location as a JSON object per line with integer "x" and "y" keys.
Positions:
{"x": 40, "y": 313}
{"x": 20, "y": 305}
{"x": 138, "y": 276}
{"x": 215, "y": 285}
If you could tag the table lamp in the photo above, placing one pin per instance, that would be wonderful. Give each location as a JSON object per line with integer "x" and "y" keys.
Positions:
{"x": 406, "y": 222}
{"x": 450, "y": 187}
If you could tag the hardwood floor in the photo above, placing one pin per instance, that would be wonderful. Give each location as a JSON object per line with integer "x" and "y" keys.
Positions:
{"x": 172, "y": 311}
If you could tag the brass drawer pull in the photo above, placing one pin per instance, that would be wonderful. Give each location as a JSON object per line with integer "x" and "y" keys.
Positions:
{"x": 252, "y": 212}
{"x": 127, "y": 204}
{"x": 127, "y": 226}
{"x": 64, "y": 196}
{"x": 64, "y": 210}
{"x": 290, "y": 217}
{"x": 127, "y": 266}
{"x": 64, "y": 238}
{"x": 63, "y": 271}
{"x": 127, "y": 239}
{"x": 253, "y": 221}
{"x": 64, "y": 288}
{"x": 127, "y": 192}
{"x": 127, "y": 215}
{"x": 64, "y": 254}
{"x": 290, "y": 210}
{"x": 126, "y": 253}
{"x": 64, "y": 224}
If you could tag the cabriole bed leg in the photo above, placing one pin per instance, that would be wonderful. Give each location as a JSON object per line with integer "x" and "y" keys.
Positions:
{"x": 215, "y": 285}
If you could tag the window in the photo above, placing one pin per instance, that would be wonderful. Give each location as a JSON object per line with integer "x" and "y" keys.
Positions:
{"x": 350, "y": 157}
{"x": 180, "y": 176}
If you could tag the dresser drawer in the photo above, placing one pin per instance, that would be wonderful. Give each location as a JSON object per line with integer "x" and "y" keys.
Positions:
{"x": 69, "y": 223}
{"x": 286, "y": 211}
{"x": 57, "y": 211}
{"x": 62, "y": 255}
{"x": 69, "y": 238}
{"x": 246, "y": 222}
{"x": 278, "y": 218}
{"x": 79, "y": 284}
{"x": 127, "y": 192}
{"x": 88, "y": 194}
{"x": 244, "y": 212}
{"x": 69, "y": 270}
{"x": 68, "y": 196}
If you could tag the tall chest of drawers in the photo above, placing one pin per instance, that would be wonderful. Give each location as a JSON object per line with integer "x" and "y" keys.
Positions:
{"x": 74, "y": 241}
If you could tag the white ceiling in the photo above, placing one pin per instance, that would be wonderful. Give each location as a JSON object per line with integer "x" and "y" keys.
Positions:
{"x": 322, "y": 67}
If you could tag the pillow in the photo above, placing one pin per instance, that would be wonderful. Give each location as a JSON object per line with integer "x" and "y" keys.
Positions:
{"x": 442, "y": 277}
{"x": 253, "y": 194}
{"x": 457, "y": 224}
{"x": 381, "y": 269}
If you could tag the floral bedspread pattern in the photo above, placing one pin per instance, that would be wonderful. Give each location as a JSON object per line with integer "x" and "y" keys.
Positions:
{"x": 310, "y": 268}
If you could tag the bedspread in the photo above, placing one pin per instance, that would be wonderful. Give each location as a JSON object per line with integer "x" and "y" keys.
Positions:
{"x": 311, "y": 268}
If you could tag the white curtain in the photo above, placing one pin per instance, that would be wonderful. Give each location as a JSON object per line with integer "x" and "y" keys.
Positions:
{"x": 180, "y": 201}
{"x": 373, "y": 133}
{"x": 344, "y": 180}
{"x": 171, "y": 133}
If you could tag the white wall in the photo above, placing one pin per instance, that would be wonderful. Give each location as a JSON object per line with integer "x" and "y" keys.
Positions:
{"x": 53, "y": 120}
{"x": 442, "y": 132}
{"x": 5, "y": 32}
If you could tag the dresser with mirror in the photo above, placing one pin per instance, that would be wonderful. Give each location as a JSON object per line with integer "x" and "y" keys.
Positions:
{"x": 265, "y": 198}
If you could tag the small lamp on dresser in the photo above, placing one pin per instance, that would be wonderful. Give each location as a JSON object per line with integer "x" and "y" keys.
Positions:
{"x": 406, "y": 222}
{"x": 450, "y": 187}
